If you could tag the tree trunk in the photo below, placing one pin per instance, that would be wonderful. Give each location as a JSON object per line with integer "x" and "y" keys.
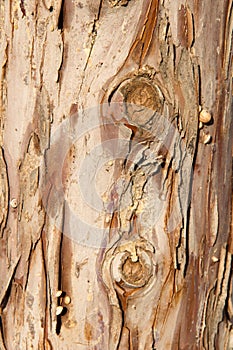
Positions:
{"x": 116, "y": 174}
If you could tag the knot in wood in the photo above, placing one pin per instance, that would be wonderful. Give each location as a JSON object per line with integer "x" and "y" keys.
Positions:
{"x": 132, "y": 273}
{"x": 142, "y": 100}
{"x": 135, "y": 273}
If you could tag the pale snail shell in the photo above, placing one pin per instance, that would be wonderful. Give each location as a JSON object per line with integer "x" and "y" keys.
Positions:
{"x": 14, "y": 203}
{"x": 66, "y": 300}
{"x": 59, "y": 310}
{"x": 207, "y": 139}
{"x": 59, "y": 293}
{"x": 204, "y": 116}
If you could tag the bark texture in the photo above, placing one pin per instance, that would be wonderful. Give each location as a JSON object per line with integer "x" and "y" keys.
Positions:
{"x": 110, "y": 188}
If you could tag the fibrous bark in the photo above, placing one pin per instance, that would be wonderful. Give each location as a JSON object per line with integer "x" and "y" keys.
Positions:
{"x": 111, "y": 189}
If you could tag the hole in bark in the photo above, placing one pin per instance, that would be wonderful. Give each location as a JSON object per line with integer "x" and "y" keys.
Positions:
{"x": 51, "y": 9}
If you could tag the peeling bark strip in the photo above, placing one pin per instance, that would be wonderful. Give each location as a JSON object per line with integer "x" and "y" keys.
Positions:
{"x": 116, "y": 175}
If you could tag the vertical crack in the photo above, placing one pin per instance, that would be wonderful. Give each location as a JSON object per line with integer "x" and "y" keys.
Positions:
{"x": 59, "y": 323}
{"x": 94, "y": 35}
{"x": 60, "y": 23}
{"x": 2, "y": 339}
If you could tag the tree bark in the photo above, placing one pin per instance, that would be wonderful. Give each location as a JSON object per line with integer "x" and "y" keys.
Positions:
{"x": 116, "y": 174}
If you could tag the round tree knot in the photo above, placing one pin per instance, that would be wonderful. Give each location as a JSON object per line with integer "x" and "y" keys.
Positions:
{"x": 142, "y": 100}
{"x": 132, "y": 266}
{"x": 135, "y": 273}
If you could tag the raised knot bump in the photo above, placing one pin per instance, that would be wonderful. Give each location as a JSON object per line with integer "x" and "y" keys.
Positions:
{"x": 133, "y": 267}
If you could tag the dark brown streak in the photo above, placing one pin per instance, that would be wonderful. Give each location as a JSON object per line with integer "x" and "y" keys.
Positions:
{"x": 139, "y": 48}
{"x": 3, "y": 223}
{"x": 2, "y": 340}
{"x": 43, "y": 252}
{"x": 58, "y": 326}
{"x": 144, "y": 36}
{"x": 149, "y": 27}
{"x": 22, "y": 8}
{"x": 60, "y": 23}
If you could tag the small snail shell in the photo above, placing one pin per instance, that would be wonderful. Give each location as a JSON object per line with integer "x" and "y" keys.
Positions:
{"x": 204, "y": 116}
{"x": 215, "y": 259}
{"x": 207, "y": 139}
{"x": 200, "y": 125}
{"x": 13, "y": 203}
{"x": 59, "y": 310}
{"x": 59, "y": 293}
{"x": 66, "y": 300}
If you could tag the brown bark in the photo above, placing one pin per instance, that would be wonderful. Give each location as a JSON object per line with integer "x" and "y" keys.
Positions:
{"x": 111, "y": 190}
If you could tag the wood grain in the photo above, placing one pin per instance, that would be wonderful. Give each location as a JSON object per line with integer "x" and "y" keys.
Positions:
{"x": 120, "y": 203}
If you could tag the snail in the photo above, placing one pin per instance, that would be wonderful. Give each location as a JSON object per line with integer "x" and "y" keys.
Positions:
{"x": 204, "y": 116}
